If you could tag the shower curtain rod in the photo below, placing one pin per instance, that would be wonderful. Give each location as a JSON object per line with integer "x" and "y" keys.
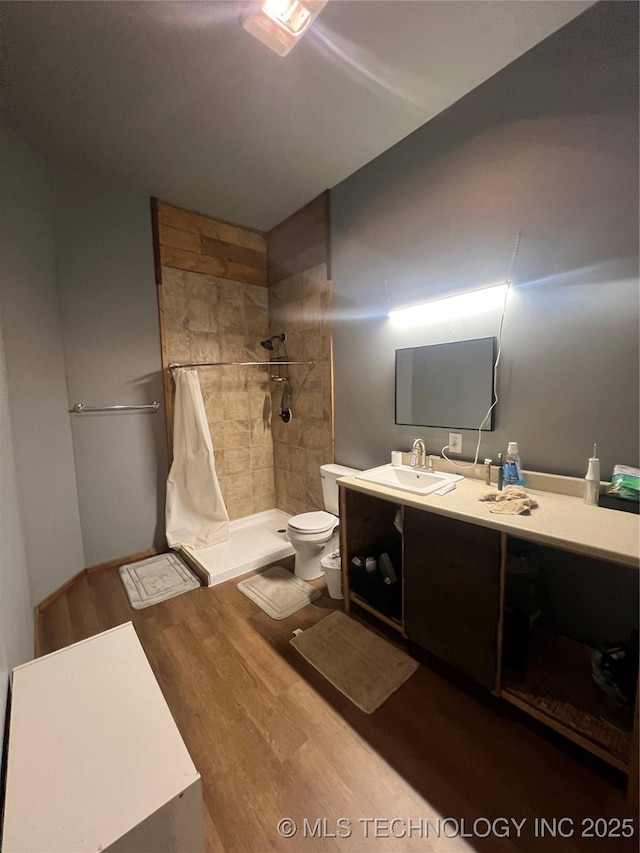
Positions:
{"x": 175, "y": 366}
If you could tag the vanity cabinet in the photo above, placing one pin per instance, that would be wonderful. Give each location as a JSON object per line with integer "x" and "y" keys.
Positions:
{"x": 513, "y": 604}
{"x": 370, "y": 523}
{"x": 451, "y": 573}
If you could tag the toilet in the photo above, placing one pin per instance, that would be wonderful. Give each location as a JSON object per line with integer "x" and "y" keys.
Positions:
{"x": 314, "y": 534}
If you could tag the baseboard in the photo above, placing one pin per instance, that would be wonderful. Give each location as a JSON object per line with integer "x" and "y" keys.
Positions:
{"x": 90, "y": 570}
{"x": 131, "y": 558}
{"x": 58, "y": 592}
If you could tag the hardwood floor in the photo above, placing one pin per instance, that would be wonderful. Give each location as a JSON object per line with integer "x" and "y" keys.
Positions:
{"x": 272, "y": 739}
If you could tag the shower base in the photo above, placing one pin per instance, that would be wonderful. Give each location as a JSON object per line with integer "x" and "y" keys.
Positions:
{"x": 254, "y": 541}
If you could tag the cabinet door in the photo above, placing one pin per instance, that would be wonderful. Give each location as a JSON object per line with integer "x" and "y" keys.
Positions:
{"x": 452, "y": 591}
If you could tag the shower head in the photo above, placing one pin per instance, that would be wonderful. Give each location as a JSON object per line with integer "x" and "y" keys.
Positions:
{"x": 268, "y": 344}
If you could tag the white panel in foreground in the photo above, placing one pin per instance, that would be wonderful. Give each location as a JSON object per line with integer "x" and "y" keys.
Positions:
{"x": 94, "y": 752}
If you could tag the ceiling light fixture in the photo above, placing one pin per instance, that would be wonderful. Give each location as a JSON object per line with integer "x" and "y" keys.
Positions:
{"x": 280, "y": 23}
{"x": 451, "y": 307}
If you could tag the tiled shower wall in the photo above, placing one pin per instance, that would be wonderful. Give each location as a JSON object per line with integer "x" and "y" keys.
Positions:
{"x": 300, "y": 306}
{"x": 213, "y": 319}
{"x": 260, "y": 461}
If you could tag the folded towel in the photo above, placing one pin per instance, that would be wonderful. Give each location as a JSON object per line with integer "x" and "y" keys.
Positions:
{"x": 513, "y": 500}
{"x": 513, "y": 507}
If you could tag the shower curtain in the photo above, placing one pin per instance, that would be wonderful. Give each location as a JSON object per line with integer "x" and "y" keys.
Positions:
{"x": 196, "y": 515}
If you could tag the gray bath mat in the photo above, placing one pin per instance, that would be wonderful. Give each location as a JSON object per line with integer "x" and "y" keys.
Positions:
{"x": 278, "y": 592}
{"x": 362, "y": 665}
{"x": 149, "y": 581}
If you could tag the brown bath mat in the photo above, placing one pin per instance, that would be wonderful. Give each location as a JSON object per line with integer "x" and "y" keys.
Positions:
{"x": 362, "y": 665}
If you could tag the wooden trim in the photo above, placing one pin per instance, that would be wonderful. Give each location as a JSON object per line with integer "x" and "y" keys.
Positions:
{"x": 156, "y": 240}
{"x": 365, "y": 606}
{"x": 634, "y": 764}
{"x": 569, "y": 733}
{"x": 500, "y": 628}
{"x": 213, "y": 248}
{"x": 402, "y": 541}
{"x": 167, "y": 379}
{"x": 342, "y": 530}
{"x": 193, "y": 242}
{"x": 179, "y": 238}
{"x": 209, "y": 226}
{"x": 131, "y": 558}
{"x": 38, "y": 641}
{"x": 332, "y": 400}
{"x": 57, "y": 592}
{"x": 197, "y": 262}
{"x": 327, "y": 194}
{"x": 38, "y": 645}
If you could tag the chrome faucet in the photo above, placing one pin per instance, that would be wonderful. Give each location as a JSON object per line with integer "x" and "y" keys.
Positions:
{"x": 418, "y": 454}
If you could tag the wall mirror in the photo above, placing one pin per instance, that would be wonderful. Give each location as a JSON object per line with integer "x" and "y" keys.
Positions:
{"x": 446, "y": 385}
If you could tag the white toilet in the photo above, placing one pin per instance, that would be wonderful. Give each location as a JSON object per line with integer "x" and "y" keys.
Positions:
{"x": 314, "y": 534}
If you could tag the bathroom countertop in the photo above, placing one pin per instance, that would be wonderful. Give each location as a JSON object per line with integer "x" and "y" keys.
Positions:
{"x": 561, "y": 521}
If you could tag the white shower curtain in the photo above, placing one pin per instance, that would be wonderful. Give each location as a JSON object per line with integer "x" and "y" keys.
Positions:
{"x": 196, "y": 515}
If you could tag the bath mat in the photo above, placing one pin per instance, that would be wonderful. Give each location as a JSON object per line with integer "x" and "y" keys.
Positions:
{"x": 362, "y": 665}
{"x": 149, "y": 581}
{"x": 278, "y": 592}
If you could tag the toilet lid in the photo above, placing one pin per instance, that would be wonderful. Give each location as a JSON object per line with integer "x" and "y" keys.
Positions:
{"x": 313, "y": 522}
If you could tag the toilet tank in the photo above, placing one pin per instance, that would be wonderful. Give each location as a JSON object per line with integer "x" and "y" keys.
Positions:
{"x": 329, "y": 475}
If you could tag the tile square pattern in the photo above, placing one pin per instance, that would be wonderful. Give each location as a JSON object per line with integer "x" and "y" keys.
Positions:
{"x": 260, "y": 461}
{"x": 150, "y": 581}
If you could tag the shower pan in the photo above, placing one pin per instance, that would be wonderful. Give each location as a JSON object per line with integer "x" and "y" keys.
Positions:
{"x": 254, "y": 541}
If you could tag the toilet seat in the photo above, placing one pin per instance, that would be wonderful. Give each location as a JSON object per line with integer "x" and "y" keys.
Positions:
{"x": 313, "y": 522}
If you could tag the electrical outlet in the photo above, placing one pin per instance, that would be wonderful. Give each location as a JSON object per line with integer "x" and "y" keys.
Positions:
{"x": 455, "y": 442}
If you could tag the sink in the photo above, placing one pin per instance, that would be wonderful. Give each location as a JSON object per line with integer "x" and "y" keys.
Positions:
{"x": 408, "y": 479}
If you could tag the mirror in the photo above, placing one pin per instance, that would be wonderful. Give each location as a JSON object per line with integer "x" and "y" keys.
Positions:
{"x": 446, "y": 385}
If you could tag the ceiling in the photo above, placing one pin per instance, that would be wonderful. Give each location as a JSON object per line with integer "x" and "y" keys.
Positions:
{"x": 177, "y": 98}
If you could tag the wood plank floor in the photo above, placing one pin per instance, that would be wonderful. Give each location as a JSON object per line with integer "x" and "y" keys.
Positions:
{"x": 272, "y": 739}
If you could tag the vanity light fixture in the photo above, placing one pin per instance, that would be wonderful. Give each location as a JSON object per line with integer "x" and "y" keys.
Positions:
{"x": 480, "y": 301}
{"x": 280, "y": 23}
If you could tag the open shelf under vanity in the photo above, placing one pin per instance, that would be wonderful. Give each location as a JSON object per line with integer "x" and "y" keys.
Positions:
{"x": 556, "y": 686}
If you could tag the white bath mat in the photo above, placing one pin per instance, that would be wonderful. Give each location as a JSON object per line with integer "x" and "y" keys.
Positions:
{"x": 149, "y": 581}
{"x": 278, "y": 592}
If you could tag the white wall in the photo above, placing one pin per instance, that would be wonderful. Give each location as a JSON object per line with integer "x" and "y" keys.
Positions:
{"x": 37, "y": 391}
{"x": 16, "y": 622}
{"x": 106, "y": 281}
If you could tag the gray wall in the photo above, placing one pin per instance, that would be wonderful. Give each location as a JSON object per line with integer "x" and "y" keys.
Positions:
{"x": 106, "y": 280}
{"x": 550, "y": 146}
{"x": 16, "y": 623}
{"x": 37, "y": 392}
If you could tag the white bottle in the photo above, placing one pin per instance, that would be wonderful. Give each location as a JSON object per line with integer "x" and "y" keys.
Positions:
{"x": 592, "y": 480}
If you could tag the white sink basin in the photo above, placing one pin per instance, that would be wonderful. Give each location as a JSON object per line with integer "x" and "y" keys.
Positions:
{"x": 408, "y": 479}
